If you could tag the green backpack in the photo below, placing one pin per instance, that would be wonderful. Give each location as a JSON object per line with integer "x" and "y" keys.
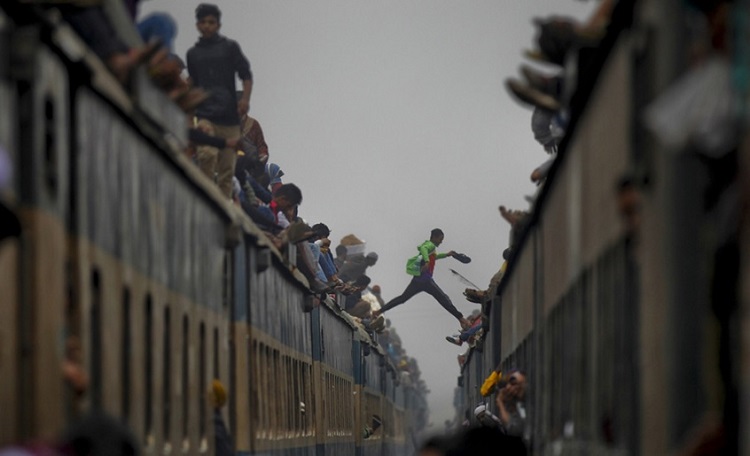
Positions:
{"x": 414, "y": 265}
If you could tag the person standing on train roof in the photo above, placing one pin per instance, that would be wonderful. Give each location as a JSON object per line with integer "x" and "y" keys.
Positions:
{"x": 212, "y": 64}
{"x": 422, "y": 267}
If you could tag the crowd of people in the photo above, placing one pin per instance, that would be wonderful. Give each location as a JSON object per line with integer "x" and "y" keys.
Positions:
{"x": 559, "y": 43}
{"x": 230, "y": 148}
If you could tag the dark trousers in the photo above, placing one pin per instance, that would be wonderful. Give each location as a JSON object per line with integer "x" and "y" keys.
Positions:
{"x": 428, "y": 286}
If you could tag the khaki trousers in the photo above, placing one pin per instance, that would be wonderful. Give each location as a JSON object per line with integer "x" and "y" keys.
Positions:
{"x": 218, "y": 164}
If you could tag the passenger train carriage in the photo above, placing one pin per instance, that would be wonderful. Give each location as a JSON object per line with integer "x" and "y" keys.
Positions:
{"x": 630, "y": 338}
{"x": 130, "y": 262}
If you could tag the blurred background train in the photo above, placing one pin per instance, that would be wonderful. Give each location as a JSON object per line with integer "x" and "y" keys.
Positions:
{"x": 625, "y": 298}
{"x": 118, "y": 255}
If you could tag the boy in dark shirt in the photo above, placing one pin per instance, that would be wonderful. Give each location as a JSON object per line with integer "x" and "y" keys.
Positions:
{"x": 212, "y": 64}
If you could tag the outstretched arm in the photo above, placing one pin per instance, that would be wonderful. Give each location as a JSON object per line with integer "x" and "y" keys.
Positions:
{"x": 243, "y": 105}
{"x": 443, "y": 255}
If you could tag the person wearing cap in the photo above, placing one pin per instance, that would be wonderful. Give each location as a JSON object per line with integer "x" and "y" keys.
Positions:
{"x": 422, "y": 267}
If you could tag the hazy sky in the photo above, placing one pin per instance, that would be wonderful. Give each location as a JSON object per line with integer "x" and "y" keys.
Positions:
{"x": 393, "y": 119}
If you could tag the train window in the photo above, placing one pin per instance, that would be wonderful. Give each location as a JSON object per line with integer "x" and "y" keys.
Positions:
{"x": 125, "y": 355}
{"x": 268, "y": 392}
{"x": 254, "y": 387}
{"x": 276, "y": 396}
{"x": 293, "y": 395}
{"x": 309, "y": 409}
{"x": 334, "y": 425}
{"x": 332, "y": 405}
{"x": 167, "y": 376}
{"x": 304, "y": 403}
{"x": 371, "y": 407}
{"x": 288, "y": 385}
{"x": 272, "y": 393}
{"x": 185, "y": 383}
{"x": 72, "y": 328}
{"x": 258, "y": 372}
{"x": 327, "y": 394}
{"x": 49, "y": 146}
{"x": 149, "y": 371}
{"x": 216, "y": 353}
{"x": 227, "y": 288}
{"x": 336, "y": 407}
{"x": 96, "y": 339}
{"x": 293, "y": 386}
{"x": 263, "y": 365}
{"x": 202, "y": 388}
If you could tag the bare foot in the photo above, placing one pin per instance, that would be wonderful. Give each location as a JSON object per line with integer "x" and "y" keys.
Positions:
{"x": 513, "y": 217}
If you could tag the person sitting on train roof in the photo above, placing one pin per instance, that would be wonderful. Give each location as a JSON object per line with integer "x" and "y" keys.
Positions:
{"x": 315, "y": 241}
{"x": 272, "y": 177}
{"x": 361, "y": 304}
{"x": 354, "y": 304}
{"x": 251, "y": 173}
{"x": 356, "y": 265}
{"x": 517, "y": 220}
{"x": 212, "y": 65}
{"x": 469, "y": 334}
{"x": 275, "y": 216}
{"x": 421, "y": 268}
{"x": 377, "y": 294}
{"x": 484, "y": 297}
{"x": 299, "y": 234}
{"x": 167, "y": 75}
{"x": 253, "y": 134}
{"x": 340, "y": 256}
{"x": 558, "y": 36}
{"x": 263, "y": 181}
{"x": 325, "y": 260}
{"x": 94, "y": 27}
{"x": 158, "y": 25}
{"x": 548, "y": 128}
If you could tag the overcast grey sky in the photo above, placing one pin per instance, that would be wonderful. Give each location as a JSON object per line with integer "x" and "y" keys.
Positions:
{"x": 393, "y": 119}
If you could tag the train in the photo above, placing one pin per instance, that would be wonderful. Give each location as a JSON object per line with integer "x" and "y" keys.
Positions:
{"x": 119, "y": 255}
{"x": 624, "y": 296}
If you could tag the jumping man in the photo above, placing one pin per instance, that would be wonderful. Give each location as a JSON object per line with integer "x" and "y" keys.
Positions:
{"x": 422, "y": 267}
